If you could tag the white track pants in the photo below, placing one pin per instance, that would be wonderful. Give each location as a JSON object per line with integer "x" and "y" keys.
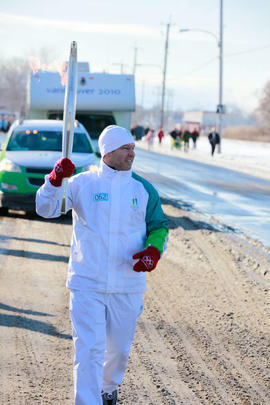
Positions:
{"x": 103, "y": 327}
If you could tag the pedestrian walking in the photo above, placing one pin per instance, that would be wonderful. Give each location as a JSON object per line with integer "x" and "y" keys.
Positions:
{"x": 2, "y": 123}
{"x": 160, "y": 135}
{"x": 176, "y": 135}
{"x": 214, "y": 140}
{"x": 137, "y": 132}
{"x": 194, "y": 136}
{"x": 186, "y": 137}
{"x": 150, "y": 138}
{"x": 119, "y": 234}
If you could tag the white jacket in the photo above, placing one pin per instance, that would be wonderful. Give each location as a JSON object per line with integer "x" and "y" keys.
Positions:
{"x": 111, "y": 221}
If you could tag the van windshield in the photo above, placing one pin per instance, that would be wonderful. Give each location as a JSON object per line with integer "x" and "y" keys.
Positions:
{"x": 29, "y": 140}
{"x": 93, "y": 123}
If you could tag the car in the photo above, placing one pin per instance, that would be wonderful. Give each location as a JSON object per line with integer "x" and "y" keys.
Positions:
{"x": 29, "y": 152}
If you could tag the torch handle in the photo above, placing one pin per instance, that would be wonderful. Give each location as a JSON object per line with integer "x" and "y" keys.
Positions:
{"x": 64, "y": 196}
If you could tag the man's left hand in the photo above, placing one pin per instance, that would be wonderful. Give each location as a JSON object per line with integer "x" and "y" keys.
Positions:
{"x": 148, "y": 259}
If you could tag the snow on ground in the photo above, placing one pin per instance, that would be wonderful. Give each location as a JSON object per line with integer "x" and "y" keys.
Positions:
{"x": 245, "y": 156}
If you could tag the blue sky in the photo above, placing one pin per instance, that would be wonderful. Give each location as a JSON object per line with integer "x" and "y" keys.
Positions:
{"x": 107, "y": 33}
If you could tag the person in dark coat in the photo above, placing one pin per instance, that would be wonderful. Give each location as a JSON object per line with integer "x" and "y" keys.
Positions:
{"x": 214, "y": 139}
{"x": 137, "y": 132}
{"x": 186, "y": 137}
{"x": 176, "y": 136}
{"x": 194, "y": 136}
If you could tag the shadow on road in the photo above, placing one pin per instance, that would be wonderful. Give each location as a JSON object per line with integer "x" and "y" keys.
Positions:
{"x": 23, "y": 311}
{"x": 18, "y": 321}
{"x": 4, "y": 237}
{"x": 63, "y": 219}
{"x": 33, "y": 255}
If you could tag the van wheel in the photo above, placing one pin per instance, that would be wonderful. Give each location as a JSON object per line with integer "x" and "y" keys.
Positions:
{"x": 30, "y": 213}
{"x": 3, "y": 210}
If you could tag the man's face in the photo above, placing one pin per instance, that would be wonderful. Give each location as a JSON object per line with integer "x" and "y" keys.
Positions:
{"x": 121, "y": 158}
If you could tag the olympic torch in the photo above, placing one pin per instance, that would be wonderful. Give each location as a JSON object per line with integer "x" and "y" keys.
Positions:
{"x": 69, "y": 114}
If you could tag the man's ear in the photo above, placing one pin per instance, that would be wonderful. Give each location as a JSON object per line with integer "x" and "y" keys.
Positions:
{"x": 107, "y": 156}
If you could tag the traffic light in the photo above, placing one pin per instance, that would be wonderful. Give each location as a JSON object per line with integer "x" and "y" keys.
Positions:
{"x": 221, "y": 109}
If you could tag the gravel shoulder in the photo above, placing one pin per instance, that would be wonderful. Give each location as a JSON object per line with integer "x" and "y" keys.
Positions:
{"x": 203, "y": 337}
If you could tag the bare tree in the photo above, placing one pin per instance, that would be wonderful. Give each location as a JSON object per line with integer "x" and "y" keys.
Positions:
{"x": 46, "y": 55}
{"x": 13, "y": 80}
{"x": 150, "y": 117}
{"x": 263, "y": 111}
{"x": 14, "y": 75}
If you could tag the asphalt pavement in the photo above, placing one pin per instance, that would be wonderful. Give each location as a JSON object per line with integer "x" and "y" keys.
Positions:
{"x": 235, "y": 199}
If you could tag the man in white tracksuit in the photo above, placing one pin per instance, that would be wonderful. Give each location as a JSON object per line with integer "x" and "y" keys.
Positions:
{"x": 119, "y": 233}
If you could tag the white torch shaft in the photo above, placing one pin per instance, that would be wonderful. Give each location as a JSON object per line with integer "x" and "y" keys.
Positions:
{"x": 69, "y": 114}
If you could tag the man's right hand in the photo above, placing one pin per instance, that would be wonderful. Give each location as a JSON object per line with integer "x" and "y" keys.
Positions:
{"x": 64, "y": 167}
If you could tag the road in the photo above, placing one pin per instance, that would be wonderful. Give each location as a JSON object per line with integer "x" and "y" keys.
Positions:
{"x": 203, "y": 337}
{"x": 236, "y": 199}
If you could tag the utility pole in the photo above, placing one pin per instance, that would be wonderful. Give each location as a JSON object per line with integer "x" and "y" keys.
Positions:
{"x": 122, "y": 67}
{"x": 220, "y": 107}
{"x": 135, "y": 60}
{"x": 142, "y": 95}
{"x": 164, "y": 75}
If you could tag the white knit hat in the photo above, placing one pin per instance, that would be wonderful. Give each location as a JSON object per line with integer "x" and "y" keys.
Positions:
{"x": 113, "y": 137}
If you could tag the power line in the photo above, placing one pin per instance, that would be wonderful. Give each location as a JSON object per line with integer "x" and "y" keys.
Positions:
{"x": 248, "y": 51}
{"x": 208, "y": 62}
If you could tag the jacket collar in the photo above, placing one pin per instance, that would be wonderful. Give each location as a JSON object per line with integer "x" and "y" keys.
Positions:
{"x": 107, "y": 171}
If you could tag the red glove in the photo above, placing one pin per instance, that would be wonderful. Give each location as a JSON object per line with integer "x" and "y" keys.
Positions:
{"x": 62, "y": 168}
{"x": 148, "y": 259}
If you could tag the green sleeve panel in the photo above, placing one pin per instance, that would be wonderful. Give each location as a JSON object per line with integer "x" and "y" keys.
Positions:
{"x": 157, "y": 238}
{"x": 156, "y": 223}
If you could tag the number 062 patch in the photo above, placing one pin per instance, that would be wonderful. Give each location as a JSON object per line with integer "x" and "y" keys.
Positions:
{"x": 101, "y": 197}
